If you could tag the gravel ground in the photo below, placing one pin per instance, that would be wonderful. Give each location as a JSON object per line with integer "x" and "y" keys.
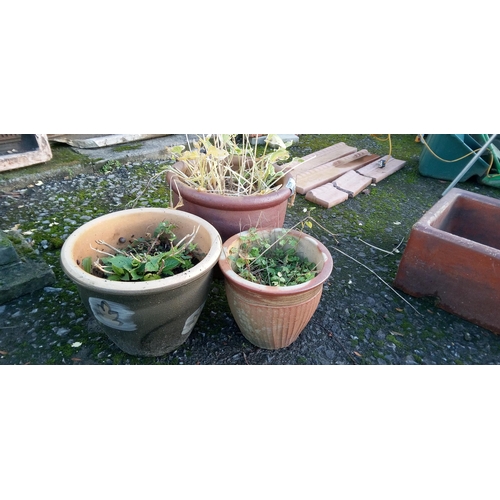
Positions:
{"x": 360, "y": 320}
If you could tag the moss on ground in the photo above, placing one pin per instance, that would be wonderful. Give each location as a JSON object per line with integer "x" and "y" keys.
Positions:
{"x": 127, "y": 147}
{"x": 64, "y": 159}
{"x": 376, "y": 217}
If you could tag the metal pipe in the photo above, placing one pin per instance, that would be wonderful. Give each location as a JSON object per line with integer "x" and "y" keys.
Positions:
{"x": 469, "y": 165}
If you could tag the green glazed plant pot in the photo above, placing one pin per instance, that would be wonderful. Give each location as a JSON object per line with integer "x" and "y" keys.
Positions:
{"x": 233, "y": 214}
{"x": 143, "y": 318}
{"x": 272, "y": 317}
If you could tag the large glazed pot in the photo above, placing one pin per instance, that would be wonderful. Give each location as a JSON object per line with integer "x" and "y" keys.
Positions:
{"x": 145, "y": 318}
{"x": 233, "y": 214}
{"x": 272, "y": 317}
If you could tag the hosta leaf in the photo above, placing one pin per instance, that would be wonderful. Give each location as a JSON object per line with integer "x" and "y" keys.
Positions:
{"x": 177, "y": 150}
{"x": 279, "y": 154}
{"x": 118, "y": 270}
{"x": 153, "y": 264}
{"x": 217, "y": 153}
{"x": 189, "y": 155}
{"x": 87, "y": 264}
{"x": 275, "y": 140}
{"x": 135, "y": 275}
{"x": 170, "y": 264}
{"x": 121, "y": 261}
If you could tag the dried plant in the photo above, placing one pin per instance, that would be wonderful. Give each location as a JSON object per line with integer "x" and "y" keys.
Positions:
{"x": 218, "y": 163}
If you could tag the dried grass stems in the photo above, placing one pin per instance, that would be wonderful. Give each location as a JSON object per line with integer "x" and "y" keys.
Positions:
{"x": 220, "y": 164}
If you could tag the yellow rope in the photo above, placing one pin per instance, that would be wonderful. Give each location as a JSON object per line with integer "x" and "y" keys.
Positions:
{"x": 491, "y": 164}
{"x": 421, "y": 139}
{"x": 388, "y": 138}
{"x": 448, "y": 161}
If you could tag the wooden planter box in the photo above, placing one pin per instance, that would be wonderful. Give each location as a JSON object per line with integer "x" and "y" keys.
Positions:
{"x": 23, "y": 150}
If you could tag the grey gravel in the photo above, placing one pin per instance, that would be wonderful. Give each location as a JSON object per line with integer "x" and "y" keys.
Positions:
{"x": 360, "y": 320}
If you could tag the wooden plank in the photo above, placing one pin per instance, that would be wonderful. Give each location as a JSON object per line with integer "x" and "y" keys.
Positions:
{"x": 378, "y": 173}
{"x": 318, "y": 158}
{"x": 352, "y": 183}
{"x": 326, "y": 195}
{"x": 327, "y": 173}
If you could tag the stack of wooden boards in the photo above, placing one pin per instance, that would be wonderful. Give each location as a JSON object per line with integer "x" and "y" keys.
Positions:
{"x": 334, "y": 174}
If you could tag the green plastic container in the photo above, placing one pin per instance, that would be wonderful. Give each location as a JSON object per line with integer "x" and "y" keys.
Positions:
{"x": 450, "y": 147}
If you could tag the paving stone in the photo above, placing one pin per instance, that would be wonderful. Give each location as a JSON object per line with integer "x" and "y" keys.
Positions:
{"x": 8, "y": 253}
{"x": 284, "y": 137}
{"x": 100, "y": 140}
{"x": 23, "y": 275}
{"x": 22, "y": 278}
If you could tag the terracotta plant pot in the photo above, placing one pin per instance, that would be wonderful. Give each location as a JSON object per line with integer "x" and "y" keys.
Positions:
{"x": 144, "y": 318}
{"x": 453, "y": 254}
{"x": 233, "y": 214}
{"x": 273, "y": 317}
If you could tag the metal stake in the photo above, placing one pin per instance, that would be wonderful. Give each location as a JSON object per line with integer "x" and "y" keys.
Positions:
{"x": 469, "y": 165}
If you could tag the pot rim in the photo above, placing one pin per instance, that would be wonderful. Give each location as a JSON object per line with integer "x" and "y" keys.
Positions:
{"x": 89, "y": 281}
{"x": 319, "y": 279}
{"x": 227, "y": 202}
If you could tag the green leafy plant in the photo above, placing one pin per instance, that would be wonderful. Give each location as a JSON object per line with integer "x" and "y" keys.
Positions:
{"x": 271, "y": 263}
{"x": 153, "y": 257}
{"x": 110, "y": 165}
{"x": 221, "y": 164}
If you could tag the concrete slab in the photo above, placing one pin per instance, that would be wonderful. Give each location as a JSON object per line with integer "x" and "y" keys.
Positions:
{"x": 90, "y": 141}
{"x": 144, "y": 150}
{"x": 8, "y": 253}
{"x": 284, "y": 137}
{"x": 22, "y": 275}
{"x": 22, "y": 278}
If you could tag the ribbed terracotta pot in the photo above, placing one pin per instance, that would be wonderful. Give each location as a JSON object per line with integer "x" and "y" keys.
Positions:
{"x": 144, "y": 318}
{"x": 273, "y": 317}
{"x": 233, "y": 214}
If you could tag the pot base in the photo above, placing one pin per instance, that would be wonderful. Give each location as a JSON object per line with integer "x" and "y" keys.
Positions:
{"x": 275, "y": 323}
